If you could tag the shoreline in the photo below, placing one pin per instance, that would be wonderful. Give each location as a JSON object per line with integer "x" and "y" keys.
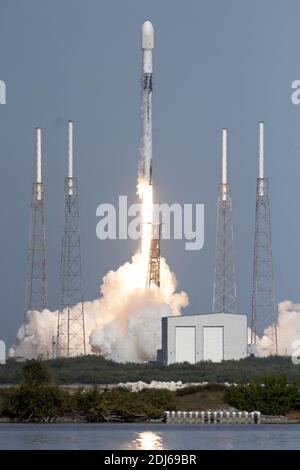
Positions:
{"x": 67, "y": 420}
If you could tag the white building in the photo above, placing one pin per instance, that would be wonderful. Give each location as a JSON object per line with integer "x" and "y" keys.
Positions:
{"x": 2, "y": 352}
{"x": 209, "y": 337}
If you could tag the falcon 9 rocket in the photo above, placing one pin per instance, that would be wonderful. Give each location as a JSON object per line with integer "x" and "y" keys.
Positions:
{"x": 147, "y": 46}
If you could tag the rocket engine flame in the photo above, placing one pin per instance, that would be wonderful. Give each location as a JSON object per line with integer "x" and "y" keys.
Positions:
{"x": 146, "y": 192}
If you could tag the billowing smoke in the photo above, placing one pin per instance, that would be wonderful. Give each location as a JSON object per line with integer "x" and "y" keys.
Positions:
{"x": 124, "y": 324}
{"x": 35, "y": 336}
{"x": 288, "y": 330}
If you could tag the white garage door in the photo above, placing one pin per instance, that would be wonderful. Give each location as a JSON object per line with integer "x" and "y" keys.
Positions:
{"x": 213, "y": 343}
{"x": 185, "y": 344}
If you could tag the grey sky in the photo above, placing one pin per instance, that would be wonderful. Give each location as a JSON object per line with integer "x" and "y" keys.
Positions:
{"x": 216, "y": 64}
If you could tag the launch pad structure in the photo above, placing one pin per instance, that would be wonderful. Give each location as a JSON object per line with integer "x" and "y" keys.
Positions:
{"x": 224, "y": 287}
{"x": 71, "y": 323}
{"x": 154, "y": 257}
{"x": 263, "y": 296}
{"x": 36, "y": 281}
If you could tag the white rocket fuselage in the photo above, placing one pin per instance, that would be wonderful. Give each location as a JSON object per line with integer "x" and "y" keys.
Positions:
{"x": 147, "y": 46}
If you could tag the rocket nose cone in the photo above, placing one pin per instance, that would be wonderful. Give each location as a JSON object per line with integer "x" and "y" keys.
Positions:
{"x": 147, "y": 35}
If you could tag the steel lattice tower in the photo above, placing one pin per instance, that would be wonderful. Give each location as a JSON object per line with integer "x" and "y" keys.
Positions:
{"x": 71, "y": 326}
{"x": 263, "y": 297}
{"x": 36, "y": 284}
{"x": 224, "y": 290}
{"x": 154, "y": 257}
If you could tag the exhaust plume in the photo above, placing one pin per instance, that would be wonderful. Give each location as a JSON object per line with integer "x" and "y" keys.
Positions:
{"x": 123, "y": 324}
{"x": 288, "y": 330}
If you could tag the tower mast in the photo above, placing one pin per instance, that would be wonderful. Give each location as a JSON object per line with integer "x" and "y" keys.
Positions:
{"x": 71, "y": 325}
{"x": 263, "y": 296}
{"x": 36, "y": 284}
{"x": 224, "y": 288}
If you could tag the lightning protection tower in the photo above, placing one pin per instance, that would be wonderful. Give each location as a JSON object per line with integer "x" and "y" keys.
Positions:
{"x": 36, "y": 284}
{"x": 224, "y": 289}
{"x": 263, "y": 298}
{"x": 71, "y": 328}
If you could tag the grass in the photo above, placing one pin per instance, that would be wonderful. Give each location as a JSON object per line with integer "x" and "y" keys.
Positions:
{"x": 201, "y": 401}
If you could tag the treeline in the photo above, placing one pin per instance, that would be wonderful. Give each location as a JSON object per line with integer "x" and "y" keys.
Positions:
{"x": 96, "y": 370}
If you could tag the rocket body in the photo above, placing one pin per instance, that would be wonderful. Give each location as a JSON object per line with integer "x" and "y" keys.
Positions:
{"x": 146, "y": 144}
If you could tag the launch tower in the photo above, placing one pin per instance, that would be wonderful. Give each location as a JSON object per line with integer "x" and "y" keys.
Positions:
{"x": 36, "y": 284}
{"x": 263, "y": 297}
{"x": 224, "y": 289}
{"x": 71, "y": 327}
{"x": 154, "y": 257}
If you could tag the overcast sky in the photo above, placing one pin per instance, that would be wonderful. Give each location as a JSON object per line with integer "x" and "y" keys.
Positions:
{"x": 216, "y": 64}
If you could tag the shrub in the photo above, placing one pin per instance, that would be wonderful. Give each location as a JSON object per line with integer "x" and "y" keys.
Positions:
{"x": 273, "y": 397}
{"x": 35, "y": 402}
{"x": 36, "y": 372}
{"x": 121, "y": 403}
{"x": 210, "y": 387}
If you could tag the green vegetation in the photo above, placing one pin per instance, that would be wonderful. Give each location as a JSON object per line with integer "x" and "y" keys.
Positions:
{"x": 36, "y": 372}
{"x": 193, "y": 389}
{"x": 121, "y": 404}
{"x": 274, "y": 397}
{"x": 38, "y": 398}
{"x": 96, "y": 370}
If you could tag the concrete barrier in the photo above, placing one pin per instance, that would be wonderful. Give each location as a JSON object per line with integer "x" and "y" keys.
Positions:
{"x": 211, "y": 417}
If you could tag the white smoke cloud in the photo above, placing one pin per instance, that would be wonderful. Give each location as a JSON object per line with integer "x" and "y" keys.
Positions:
{"x": 35, "y": 336}
{"x": 124, "y": 324}
{"x": 288, "y": 329}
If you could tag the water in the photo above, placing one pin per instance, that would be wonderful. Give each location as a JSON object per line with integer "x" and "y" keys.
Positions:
{"x": 149, "y": 436}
